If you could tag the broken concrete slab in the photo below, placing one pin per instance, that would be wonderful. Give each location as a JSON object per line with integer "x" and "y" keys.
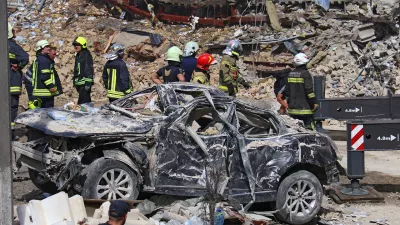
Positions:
{"x": 366, "y": 33}
{"x": 128, "y": 39}
{"x": 78, "y": 208}
{"x": 24, "y": 215}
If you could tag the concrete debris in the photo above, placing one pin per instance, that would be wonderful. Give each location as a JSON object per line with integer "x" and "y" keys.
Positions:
{"x": 366, "y": 33}
{"x": 329, "y": 49}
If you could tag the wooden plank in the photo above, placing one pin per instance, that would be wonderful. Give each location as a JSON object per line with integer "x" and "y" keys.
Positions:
{"x": 273, "y": 16}
{"x": 372, "y": 196}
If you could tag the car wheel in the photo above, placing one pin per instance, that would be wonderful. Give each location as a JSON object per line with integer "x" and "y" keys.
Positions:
{"x": 42, "y": 182}
{"x": 299, "y": 198}
{"x": 110, "y": 179}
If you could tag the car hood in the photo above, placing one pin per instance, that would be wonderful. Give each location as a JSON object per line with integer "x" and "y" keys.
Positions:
{"x": 75, "y": 124}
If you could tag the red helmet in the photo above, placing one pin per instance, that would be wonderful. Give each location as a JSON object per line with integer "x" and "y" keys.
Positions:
{"x": 204, "y": 61}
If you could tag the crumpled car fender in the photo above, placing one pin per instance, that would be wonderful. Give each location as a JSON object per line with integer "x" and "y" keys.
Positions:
{"x": 124, "y": 158}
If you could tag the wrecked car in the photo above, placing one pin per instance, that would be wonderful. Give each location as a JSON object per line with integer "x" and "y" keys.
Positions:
{"x": 166, "y": 140}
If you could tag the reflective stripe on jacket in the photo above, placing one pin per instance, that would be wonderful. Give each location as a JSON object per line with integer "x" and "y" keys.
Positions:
{"x": 116, "y": 78}
{"x": 83, "y": 70}
{"x": 43, "y": 78}
{"x": 18, "y": 56}
{"x": 200, "y": 77}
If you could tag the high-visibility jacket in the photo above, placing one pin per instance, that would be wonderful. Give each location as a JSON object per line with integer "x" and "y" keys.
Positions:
{"x": 83, "y": 70}
{"x": 299, "y": 92}
{"x": 116, "y": 78}
{"x": 18, "y": 56}
{"x": 227, "y": 70}
{"x": 201, "y": 77}
{"x": 43, "y": 77}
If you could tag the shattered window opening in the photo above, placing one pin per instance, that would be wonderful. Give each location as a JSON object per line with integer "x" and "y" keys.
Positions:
{"x": 254, "y": 125}
{"x": 145, "y": 102}
{"x": 204, "y": 122}
{"x": 187, "y": 95}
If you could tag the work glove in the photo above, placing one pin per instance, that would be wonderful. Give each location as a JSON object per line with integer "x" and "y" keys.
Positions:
{"x": 87, "y": 88}
{"x": 53, "y": 90}
{"x": 315, "y": 107}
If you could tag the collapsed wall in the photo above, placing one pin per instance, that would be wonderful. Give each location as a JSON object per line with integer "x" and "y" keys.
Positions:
{"x": 356, "y": 49}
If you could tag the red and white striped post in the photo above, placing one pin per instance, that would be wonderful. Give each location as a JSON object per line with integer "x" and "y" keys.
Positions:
{"x": 355, "y": 159}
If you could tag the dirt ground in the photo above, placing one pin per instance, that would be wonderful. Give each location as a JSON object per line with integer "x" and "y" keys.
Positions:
{"x": 382, "y": 172}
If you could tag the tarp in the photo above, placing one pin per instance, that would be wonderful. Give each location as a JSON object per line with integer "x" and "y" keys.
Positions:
{"x": 323, "y": 3}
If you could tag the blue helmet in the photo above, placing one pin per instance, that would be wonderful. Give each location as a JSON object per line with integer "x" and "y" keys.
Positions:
{"x": 234, "y": 48}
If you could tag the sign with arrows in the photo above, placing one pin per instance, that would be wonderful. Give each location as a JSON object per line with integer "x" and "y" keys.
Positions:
{"x": 355, "y": 110}
{"x": 386, "y": 138}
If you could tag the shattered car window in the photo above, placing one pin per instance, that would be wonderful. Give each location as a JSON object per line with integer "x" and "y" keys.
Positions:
{"x": 254, "y": 125}
{"x": 204, "y": 122}
{"x": 187, "y": 95}
{"x": 146, "y": 103}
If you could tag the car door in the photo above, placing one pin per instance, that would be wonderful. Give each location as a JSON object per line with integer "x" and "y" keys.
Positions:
{"x": 191, "y": 147}
{"x": 265, "y": 148}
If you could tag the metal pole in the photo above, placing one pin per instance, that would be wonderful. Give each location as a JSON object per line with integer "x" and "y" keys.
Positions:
{"x": 6, "y": 206}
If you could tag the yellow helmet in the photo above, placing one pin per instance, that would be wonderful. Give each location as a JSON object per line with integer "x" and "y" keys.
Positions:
{"x": 80, "y": 41}
{"x": 10, "y": 31}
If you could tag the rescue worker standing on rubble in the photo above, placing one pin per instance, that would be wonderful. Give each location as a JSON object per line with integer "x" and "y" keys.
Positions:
{"x": 189, "y": 61}
{"x": 299, "y": 92}
{"x": 43, "y": 77}
{"x": 117, "y": 213}
{"x": 201, "y": 74}
{"x": 116, "y": 76}
{"x": 83, "y": 70}
{"x": 18, "y": 60}
{"x": 229, "y": 76}
{"x": 173, "y": 71}
{"x": 33, "y": 102}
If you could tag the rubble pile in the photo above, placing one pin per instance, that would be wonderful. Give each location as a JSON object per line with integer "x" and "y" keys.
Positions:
{"x": 165, "y": 210}
{"x": 356, "y": 50}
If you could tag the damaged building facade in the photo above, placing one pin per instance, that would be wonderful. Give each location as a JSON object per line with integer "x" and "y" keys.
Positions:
{"x": 167, "y": 138}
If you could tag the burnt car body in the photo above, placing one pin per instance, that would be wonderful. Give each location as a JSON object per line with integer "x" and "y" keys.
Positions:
{"x": 166, "y": 138}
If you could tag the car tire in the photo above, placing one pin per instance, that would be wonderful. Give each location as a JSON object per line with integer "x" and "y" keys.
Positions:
{"x": 41, "y": 182}
{"x": 299, "y": 198}
{"x": 103, "y": 180}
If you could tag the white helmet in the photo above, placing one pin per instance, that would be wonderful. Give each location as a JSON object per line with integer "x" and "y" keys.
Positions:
{"x": 41, "y": 44}
{"x": 300, "y": 59}
{"x": 190, "y": 48}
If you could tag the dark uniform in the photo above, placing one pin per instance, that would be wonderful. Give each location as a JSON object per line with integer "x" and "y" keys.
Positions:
{"x": 17, "y": 56}
{"x": 170, "y": 72}
{"x": 83, "y": 75}
{"x": 201, "y": 77}
{"x": 43, "y": 79}
{"x": 188, "y": 65}
{"x": 299, "y": 93}
{"x": 33, "y": 101}
{"x": 116, "y": 79}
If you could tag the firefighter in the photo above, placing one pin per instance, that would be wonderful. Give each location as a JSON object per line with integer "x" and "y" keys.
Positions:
{"x": 116, "y": 76}
{"x": 18, "y": 60}
{"x": 43, "y": 76}
{"x": 83, "y": 70}
{"x": 299, "y": 92}
{"x": 189, "y": 61}
{"x": 201, "y": 74}
{"x": 53, "y": 54}
{"x": 173, "y": 71}
{"x": 229, "y": 77}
